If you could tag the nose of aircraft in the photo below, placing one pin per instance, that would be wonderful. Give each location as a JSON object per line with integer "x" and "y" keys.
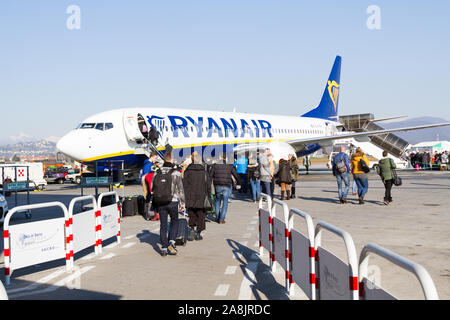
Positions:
{"x": 66, "y": 146}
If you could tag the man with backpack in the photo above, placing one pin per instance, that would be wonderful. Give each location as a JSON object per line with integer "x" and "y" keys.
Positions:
{"x": 341, "y": 169}
{"x": 168, "y": 199}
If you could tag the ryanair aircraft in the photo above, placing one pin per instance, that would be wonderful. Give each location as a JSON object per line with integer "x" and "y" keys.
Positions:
{"x": 122, "y": 134}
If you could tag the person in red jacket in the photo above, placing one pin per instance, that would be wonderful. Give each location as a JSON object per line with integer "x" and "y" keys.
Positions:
{"x": 147, "y": 187}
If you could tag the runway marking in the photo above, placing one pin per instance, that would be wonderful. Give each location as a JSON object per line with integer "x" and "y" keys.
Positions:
{"x": 247, "y": 235}
{"x": 251, "y": 228}
{"x": 129, "y": 237}
{"x": 112, "y": 245}
{"x": 231, "y": 270}
{"x": 56, "y": 286}
{"x": 128, "y": 245}
{"x": 38, "y": 282}
{"x": 222, "y": 290}
{"x": 88, "y": 257}
{"x": 245, "y": 291}
{"x": 108, "y": 256}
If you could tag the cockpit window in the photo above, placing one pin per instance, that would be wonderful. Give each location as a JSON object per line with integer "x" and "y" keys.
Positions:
{"x": 108, "y": 126}
{"x": 87, "y": 126}
{"x": 99, "y": 126}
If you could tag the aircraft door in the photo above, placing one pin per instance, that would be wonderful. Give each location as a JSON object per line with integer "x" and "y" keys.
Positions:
{"x": 131, "y": 126}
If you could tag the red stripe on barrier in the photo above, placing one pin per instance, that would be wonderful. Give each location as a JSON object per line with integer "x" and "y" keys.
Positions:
{"x": 98, "y": 242}
{"x": 353, "y": 281}
{"x": 67, "y": 223}
{"x": 260, "y": 243}
{"x": 312, "y": 278}
{"x": 98, "y": 213}
{"x": 286, "y": 233}
{"x": 118, "y": 220}
{"x": 5, "y": 234}
{"x": 70, "y": 221}
{"x": 270, "y": 237}
{"x": 287, "y": 274}
{"x": 6, "y": 252}
{"x": 68, "y": 256}
{"x": 286, "y": 254}
{"x": 312, "y": 252}
{"x": 67, "y": 239}
{"x": 118, "y": 234}
{"x": 270, "y": 220}
{"x": 98, "y": 227}
{"x": 361, "y": 289}
{"x": 6, "y": 271}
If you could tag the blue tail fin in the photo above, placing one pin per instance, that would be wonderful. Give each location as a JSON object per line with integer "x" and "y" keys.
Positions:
{"x": 328, "y": 106}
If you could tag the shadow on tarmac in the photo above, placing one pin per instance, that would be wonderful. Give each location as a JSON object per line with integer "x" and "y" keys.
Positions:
{"x": 263, "y": 281}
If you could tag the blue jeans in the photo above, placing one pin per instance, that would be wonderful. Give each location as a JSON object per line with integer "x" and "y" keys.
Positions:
{"x": 345, "y": 178}
{"x": 266, "y": 188}
{"x": 363, "y": 186}
{"x": 223, "y": 193}
{"x": 256, "y": 188}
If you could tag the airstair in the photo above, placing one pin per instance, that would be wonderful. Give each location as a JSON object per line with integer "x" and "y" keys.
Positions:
{"x": 364, "y": 122}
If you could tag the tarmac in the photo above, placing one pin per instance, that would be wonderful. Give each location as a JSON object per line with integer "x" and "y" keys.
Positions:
{"x": 225, "y": 264}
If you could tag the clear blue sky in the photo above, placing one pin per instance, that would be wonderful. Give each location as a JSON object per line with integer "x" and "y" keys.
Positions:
{"x": 259, "y": 56}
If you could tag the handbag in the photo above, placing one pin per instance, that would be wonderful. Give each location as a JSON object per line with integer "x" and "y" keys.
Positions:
{"x": 207, "y": 203}
{"x": 364, "y": 166}
{"x": 397, "y": 179}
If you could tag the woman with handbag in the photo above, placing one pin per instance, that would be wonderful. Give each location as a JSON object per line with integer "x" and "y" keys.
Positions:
{"x": 386, "y": 170}
{"x": 197, "y": 189}
{"x": 359, "y": 164}
{"x": 254, "y": 176}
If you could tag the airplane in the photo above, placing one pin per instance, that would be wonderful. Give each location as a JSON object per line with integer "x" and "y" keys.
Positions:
{"x": 121, "y": 134}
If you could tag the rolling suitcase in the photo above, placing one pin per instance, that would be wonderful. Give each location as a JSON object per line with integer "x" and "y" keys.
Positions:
{"x": 183, "y": 231}
{"x": 129, "y": 206}
{"x": 141, "y": 205}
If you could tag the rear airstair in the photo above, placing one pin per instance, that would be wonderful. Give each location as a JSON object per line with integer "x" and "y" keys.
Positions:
{"x": 363, "y": 123}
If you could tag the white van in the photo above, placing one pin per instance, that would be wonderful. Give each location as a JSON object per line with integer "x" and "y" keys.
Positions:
{"x": 35, "y": 171}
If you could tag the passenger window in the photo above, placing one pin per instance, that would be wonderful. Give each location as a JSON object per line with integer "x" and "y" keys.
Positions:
{"x": 100, "y": 126}
{"x": 108, "y": 126}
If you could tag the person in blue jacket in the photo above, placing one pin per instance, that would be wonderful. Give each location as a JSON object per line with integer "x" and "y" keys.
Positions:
{"x": 341, "y": 170}
{"x": 241, "y": 165}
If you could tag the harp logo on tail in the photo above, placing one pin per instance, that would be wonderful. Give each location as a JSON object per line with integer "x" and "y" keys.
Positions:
{"x": 333, "y": 90}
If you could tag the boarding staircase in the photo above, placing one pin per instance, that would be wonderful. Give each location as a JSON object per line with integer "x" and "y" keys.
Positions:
{"x": 363, "y": 123}
{"x": 147, "y": 149}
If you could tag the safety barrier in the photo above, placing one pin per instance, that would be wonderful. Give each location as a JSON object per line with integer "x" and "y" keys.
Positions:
{"x": 335, "y": 280}
{"x": 281, "y": 241}
{"x": 265, "y": 226}
{"x": 109, "y": 219}
{"x": 31, "y": 243}
{"x": 302, "y": 255}
{"x": 83, "y": 227}
{"x": 369, "y": 291}
{"x": 3, "y": 294}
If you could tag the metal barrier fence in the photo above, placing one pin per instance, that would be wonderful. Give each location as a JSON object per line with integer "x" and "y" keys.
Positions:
{"x": 369, "y": 290}
{"x": 319, "y": 273}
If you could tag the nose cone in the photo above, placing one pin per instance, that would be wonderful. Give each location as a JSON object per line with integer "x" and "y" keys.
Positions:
{"x": 66, "y": 146}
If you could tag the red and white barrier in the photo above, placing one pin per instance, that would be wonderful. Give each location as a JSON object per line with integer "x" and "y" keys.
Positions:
{"x": 302, "y": 255}
{"x": 369, "y": 291}
{"x": 281, "y": 241}
{"x": 110, "y": 218}
{"x": 265, "y": 226}
{"x": 32, "y": 243}
{"x": 83, "y": 227}
{"x": 335, "y": 279}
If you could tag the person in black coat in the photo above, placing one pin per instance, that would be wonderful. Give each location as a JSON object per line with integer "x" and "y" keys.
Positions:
{"x": 197, "y": 187}
{"x": 284, "y": 178}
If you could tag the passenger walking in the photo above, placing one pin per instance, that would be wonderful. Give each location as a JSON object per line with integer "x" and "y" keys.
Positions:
{"x": 444, "y": 161}
{"x": 221, "y": 174}
{"x": 168, "y": 199}
{"x": 294, "y": 173}
{"x": 149, "y": 163}
{"x": 341, "y": 169}
{"x": 146, "y": 185}
{"x": 241, "y": 168}
{"x": 359, "y": 174}
{"x": 385, "y": 169}
{"x": 254, "y": 176}
{"x": 267, "y": 170}
{"x": 307, "y": 163}
{"x": 283, "y": 177}
{"x": 197, "y": 188}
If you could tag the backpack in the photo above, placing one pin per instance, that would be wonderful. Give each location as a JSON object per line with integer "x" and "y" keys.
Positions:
{"x": 364, "y": 166}
{"x": 254, "y": 172}
{"x": 341, "y": 166}
{"x": 162, "y": 187}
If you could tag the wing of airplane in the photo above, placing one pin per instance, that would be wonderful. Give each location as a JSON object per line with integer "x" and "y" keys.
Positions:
{"x": 325, "y": 140}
